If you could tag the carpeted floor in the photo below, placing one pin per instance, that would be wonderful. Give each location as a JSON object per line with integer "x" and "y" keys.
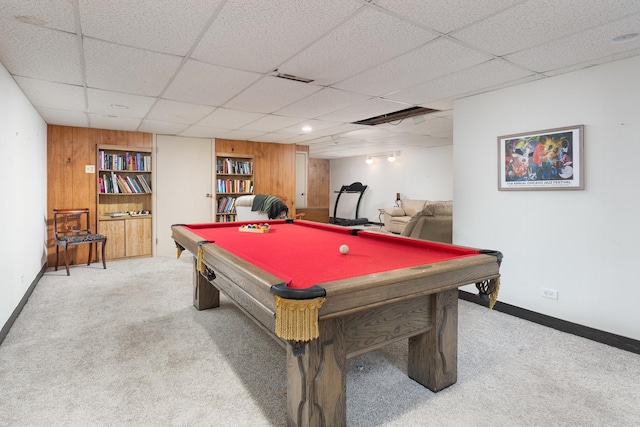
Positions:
{"x": 125, "y": 347}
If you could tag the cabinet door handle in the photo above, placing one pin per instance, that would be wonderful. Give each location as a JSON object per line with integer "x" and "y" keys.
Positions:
{"x": 208, "y": 195}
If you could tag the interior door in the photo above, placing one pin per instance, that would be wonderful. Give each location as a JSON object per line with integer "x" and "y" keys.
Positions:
{"x": 183, "y": 190}
{"x": 301, "y": 179}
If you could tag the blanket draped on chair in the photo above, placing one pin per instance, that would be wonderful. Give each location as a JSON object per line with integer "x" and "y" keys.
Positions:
{"x": 272, "y": 205}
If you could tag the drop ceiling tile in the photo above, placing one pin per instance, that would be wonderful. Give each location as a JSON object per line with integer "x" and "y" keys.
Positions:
{"x": 59, "y": 96}
{"x": 206, "y": 84}
{"x": 63, "y": 117}
{"x": 445, "y": 16}
{"x": 323, "y": 134}
{"x": 363, "y": 110}
{"x": 163, "y": 128}
{"x": 172, "y": 27}
{"x": 242, "y": 135}
{"x": 365, "y": 133}
{"x": 178, "y": 112}
{"x": 56, "y": 14}
{"x": 128, "y": 70}
{"x": 104, "y": 121}
{"x": 429, "y": 126}
{"x": 272, "y": 123}
{"x": 271, "y": 94}
{"x": 316, "y": 126}
{"x": 339, "y": 129}
{"x": 274, "y": 137}
{"x": 366, "y": 40}
{"x": 266, "y": 33}
{"x": 196, "y": 131}
{"x": 102, "y": 101}
{"x": 435, "y": 59}
{"x": 324, "y": 101}
{"x": 40, "y": 53}
{"x": 224, "y": 118}
{"x": 579, "y": 48}
{"x": 525, "y": 24}
{"x": 483, "y": 76}
{"x": 598, "y": 61}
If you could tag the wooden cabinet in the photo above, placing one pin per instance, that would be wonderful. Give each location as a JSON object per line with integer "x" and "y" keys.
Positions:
{"x": 124, "y": 200}
{"x": 127, "y": 237}
{"x": 234, "y": 178}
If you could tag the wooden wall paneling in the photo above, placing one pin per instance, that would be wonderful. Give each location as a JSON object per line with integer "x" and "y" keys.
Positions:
{"x": 83, "y": 185}
{"x": 318, "y": 187}
{"x": 69, "y": 150}
{"x": 273, "y": 164}
{"x": 59, "y": 178}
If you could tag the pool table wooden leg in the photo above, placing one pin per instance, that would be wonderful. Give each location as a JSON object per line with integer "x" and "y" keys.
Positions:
{"x": 433, "y": 355}
{"x": 205, "y": 295}
{"x": 317, "y": 386}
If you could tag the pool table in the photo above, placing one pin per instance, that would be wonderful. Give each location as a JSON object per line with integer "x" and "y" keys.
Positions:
{"x": 323, "y": 306}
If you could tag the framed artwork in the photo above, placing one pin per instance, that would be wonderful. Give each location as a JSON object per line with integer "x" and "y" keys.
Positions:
{"x": 549, "y": 159}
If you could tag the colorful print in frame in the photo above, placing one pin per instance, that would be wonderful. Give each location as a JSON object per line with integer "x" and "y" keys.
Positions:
{"x": 549, "y": 159}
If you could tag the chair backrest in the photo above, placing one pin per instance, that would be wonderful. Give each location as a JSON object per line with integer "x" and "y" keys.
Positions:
{"x": 68, "y": 222}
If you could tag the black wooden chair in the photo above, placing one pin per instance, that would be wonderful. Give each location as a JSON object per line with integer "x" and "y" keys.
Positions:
{"x": 70, "y": 228}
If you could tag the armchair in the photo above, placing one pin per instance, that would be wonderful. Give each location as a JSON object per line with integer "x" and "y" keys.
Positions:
{"x": 434, "y": 222}
{"x": 421, "y": 219}
{"x": 397, "y": 218}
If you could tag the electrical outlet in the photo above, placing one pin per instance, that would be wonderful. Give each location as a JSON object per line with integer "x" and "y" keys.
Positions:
{"x": 89, "y": 169}
{"x": 549, "y": 293}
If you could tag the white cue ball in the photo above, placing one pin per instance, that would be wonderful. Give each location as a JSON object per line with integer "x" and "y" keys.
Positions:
{"x": 344, "y": 249}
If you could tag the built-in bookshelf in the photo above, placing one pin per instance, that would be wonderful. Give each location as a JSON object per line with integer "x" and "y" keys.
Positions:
{"x": 234, "y": 178}
{"x": 124, "y": 201}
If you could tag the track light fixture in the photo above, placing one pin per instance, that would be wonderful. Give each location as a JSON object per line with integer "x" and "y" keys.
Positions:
{"x": 390, "y": 158}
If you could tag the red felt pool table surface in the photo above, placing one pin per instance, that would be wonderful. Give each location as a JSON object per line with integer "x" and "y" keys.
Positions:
{"x": 304, "y": 253}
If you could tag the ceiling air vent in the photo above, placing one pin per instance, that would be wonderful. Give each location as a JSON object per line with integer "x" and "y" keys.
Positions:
{"x": 395, "y": 116}
{"x": 292, "y": 77}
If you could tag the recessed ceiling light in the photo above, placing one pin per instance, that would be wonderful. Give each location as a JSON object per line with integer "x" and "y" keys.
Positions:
{"x": 307, "y": 128}
{"x": 625, "y": 38}
{"x": 120, "y": 106}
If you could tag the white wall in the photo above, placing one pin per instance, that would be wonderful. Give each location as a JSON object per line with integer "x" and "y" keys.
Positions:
{"x": 23, "y": 177}
{"x": 582, "y": 243}
{"x": 425, "y": 173}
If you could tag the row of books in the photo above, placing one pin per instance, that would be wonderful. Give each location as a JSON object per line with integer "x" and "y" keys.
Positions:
{"x": 225, "y": 218}
{"x": 124, "y": 162}
{"x": 113, "y": 183}
{"x": 234, "y": 186}
{"x": 231, "y": 166}
{"x": 226, "y": 204}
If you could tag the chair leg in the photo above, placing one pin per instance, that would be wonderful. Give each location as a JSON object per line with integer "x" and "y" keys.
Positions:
{"x": 57, "y": 250}
{"x": 66, "y": 260}
{"x": 90, "y": 253}
{"x": 104, "y": 261}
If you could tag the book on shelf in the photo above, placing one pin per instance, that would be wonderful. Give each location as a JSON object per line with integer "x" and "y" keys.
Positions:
{"x": 124, "y": 161}
{"x": 226, "y": 204}
{"x": 134, "y": 185}
{"x": 124, "y": 187}
{"x": 234, "y": 186}
{"x": 234, "y": 166}
{"x": 225, "y": 218}
{"x": 145, "y": 184}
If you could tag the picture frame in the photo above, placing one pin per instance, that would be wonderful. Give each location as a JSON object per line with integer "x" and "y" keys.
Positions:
{"x": 549, "y": 159}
